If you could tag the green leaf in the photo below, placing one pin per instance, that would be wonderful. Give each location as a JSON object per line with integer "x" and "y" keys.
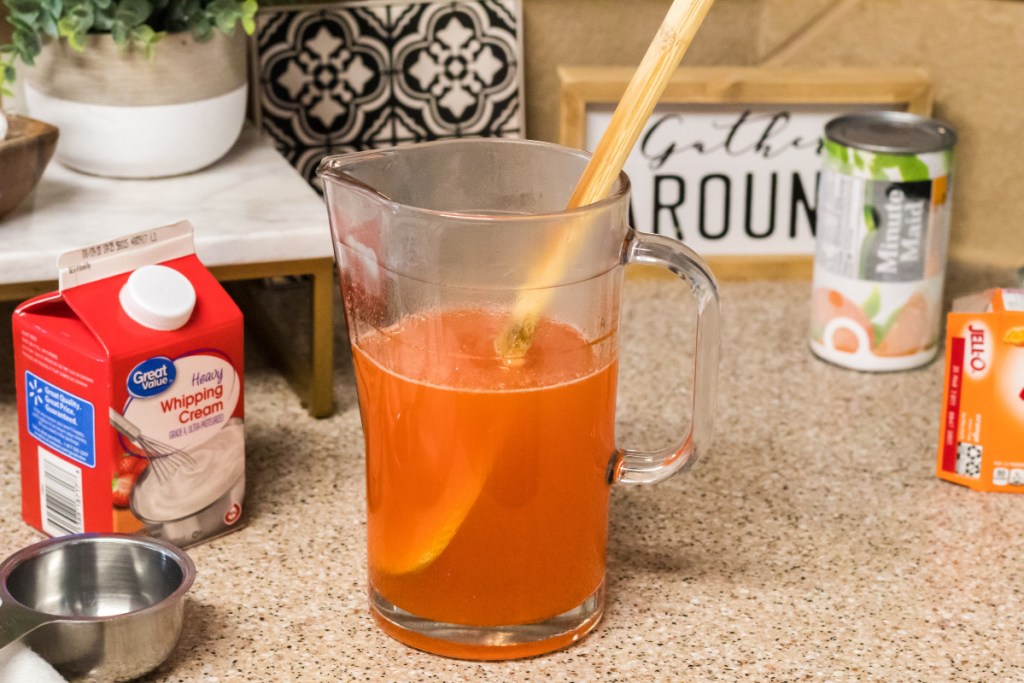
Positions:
{"x": 249, "y": 9}
{"x": 133, "y": 12}
{"x": 947, "y": 160}
{"x": 23, "y": 7}
{"x": 48, "y": 25}
{"x": 182, "y": 15}
{"x": 883, "y": 329}
{"x": 20, "y": 24}
{"x": 145, "y": 38}
{"x": 226, "y": 24}
{"x": 75, "y": 23}
{"x": 143, "y": 34}
{"x": 869, "y": 219}
{"x": 202, "y": 29}
{"x": 835, "y": 152}
{"x": 906, "y": 167}
{"x": 141, "y": 23}
{"x": 225, "y": 14}
{"x": 28, "y": 45}
{"x": 26, "y": 19}
{"x": 119, "y": 33}
{"x": 873, "y": 303}
{"x": 157, "y": 37}
{"x": 76, "y": 41}
{"x": 104, "y": 21}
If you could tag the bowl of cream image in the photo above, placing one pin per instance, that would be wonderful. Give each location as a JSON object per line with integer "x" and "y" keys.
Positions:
{"x": 196, "y": 496}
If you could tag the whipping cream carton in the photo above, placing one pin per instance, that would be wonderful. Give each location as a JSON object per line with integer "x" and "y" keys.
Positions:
{"x": 129, "y": 390}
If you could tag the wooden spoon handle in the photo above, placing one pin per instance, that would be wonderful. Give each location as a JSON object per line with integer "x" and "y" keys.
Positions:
{"x": 642, "y": 94}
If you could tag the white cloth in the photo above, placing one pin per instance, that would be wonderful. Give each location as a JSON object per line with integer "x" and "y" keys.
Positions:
{"x": 19, "y": 664}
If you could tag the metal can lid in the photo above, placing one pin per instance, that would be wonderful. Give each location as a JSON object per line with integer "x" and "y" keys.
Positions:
{"x": 892, "y": 132}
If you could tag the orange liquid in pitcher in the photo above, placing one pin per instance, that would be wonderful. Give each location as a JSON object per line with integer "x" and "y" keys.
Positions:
{"x": 487, "y": 487}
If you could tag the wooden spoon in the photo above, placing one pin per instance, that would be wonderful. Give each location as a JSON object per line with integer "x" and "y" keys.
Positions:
{"x": 643, "y": 92}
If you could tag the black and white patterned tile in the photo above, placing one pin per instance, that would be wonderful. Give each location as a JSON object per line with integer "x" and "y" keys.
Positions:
{"x": 367, "y": 74}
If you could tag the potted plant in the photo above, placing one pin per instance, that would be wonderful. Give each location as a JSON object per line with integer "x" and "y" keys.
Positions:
{"x": 138, "y": 88}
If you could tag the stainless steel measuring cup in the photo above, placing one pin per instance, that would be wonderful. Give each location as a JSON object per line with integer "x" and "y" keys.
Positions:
{"x": 105, "y": 607}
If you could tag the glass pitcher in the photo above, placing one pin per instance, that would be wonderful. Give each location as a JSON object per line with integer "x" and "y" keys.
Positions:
{"x": 484, "y": 322}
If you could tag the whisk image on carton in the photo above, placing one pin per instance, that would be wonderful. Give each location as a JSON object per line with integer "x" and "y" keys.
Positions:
{"x": 129, "y": 384}
{"x": 164, "y": 458}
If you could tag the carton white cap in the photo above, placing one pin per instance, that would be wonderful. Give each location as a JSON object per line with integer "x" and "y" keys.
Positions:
{"x": 158, "y": 297}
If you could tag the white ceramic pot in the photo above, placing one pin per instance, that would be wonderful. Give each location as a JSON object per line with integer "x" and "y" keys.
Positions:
{"x": 123, "y": 115}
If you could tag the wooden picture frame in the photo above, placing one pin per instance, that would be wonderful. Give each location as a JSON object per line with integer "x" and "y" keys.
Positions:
{"x": 715, "y": 115}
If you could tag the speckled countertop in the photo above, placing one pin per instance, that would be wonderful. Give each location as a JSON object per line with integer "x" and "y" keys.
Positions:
{"x": 814, "y": 543}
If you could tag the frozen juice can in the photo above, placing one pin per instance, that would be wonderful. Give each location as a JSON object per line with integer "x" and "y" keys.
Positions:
{"x": 882, "y": 234}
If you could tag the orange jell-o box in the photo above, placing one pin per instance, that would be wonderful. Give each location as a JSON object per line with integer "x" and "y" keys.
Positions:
{"x": 981, "y": 438}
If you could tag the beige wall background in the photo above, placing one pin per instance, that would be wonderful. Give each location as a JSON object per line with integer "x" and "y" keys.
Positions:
{"x": 973, "y": 51}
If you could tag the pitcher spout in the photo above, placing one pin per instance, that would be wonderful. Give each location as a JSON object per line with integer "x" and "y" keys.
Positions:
{"x": 336, "y": 170}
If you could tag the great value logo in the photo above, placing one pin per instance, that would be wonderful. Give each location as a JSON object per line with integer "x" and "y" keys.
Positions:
{"x": 151, "y": 377}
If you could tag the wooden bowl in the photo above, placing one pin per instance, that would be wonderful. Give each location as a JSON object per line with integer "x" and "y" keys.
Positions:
{"x": 23, "y": 158}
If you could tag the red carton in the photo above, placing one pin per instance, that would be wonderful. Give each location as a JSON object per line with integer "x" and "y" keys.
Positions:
{"x": 129, "y": 389}
{"x": 981, "y": 440}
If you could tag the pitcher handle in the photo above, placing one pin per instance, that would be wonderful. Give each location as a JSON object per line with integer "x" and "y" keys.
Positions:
{"x": 650, "y": 467}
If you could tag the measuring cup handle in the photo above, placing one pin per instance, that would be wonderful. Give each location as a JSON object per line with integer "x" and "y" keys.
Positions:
{"x": 649, "y": 467}
{"x": 16, "y": 622}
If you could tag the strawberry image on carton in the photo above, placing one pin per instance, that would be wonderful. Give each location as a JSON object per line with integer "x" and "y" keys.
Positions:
{"x": 981, "y": 440}
{"x": 129, "y": 390}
